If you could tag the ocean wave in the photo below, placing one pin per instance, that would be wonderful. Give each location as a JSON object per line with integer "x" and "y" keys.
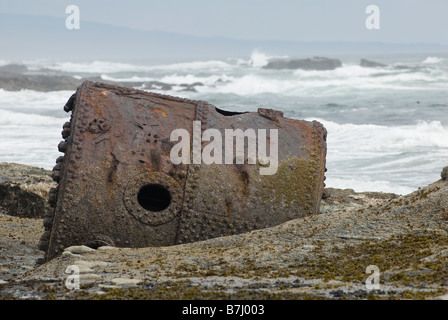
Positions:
{"x": 432, "y": 60}
{"x": 106, "y": 67}
{"x": 398, "y": 159}
{"x": 29, "y": 138}
{"x": 256, "y": 60}
{"x": 128, "y": 79}
{"x": 312, "y": 83}
{"x": 251, "y": 84}
{"x": 83, "y": 67}
{"x": 10, "y": 119}
{"x": 176, "y": 79}
{"x": 191, "y": 78}
{"x": 208, "y": 66}
{"x": 371, "y": 138}
{"x": 367, "y": 185}
{"x": 247, "y": 77}
{"x": 259, "y": 59}
{"x": 22, "y": 144}
{"x": 420, "y": 76}
{"x": 34, "y": 100}
{"x": 346, "y": 71}
{"x": 30, "y": 126}
{"x": 355, "y": 73}
{"x": 4, "y": 62}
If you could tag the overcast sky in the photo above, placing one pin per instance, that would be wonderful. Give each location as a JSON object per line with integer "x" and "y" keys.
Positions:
{"x": 401, "y": 21}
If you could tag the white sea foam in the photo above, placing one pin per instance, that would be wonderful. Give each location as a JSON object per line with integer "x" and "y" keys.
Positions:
{"x": 346, "y": 71}
{"x": 83, "y": 67}
{"x": 30, "y": 126}
{"x": 208, "y": 66}
{"x": 259, "y": 59}
{"x": 432, "y": 60}
{"x": 369, "y": 157}
{"x": 128, "y": 79}
{"x": 29, "y": 138}
{"x": 250, "y": 85}
{"x": 4, "y": 62}
{"x": 176, "y": 79}
{"x": 10, "y": 119}
{"x": 366, "y": 185}
{"x": 321, "y": 83}
{"x": 191, "y": 78}
{"x": 30, "y": 99}
{"x": 107, "y": 67}
{"x": 373, "y": 138}
{"x": 356, "y": 76}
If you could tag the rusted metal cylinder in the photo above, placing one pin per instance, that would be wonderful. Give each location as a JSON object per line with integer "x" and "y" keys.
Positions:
{"x": 119, "y": 186}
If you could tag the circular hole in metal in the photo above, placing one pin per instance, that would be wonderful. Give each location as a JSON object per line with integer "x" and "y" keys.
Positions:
{"x": 154, "y": 197}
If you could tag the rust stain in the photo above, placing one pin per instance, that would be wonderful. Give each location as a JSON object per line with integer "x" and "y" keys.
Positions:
{"x": 161, "y": 111}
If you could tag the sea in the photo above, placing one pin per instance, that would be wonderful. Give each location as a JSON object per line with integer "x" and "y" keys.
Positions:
{"x": 387, "y": 126}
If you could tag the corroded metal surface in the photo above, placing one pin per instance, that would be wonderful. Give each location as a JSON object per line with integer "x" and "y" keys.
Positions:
{"x": 117, "y": 184}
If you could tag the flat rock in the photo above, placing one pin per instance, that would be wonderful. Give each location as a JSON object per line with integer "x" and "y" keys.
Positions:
{"x": 79, "y": 249}
{"x": 125, "y": 281}
{"x": 315, "y": 63}
{"x": 371, "y": 64}
{"x": 91, "y": 264}
{"x": 108, "y": 286}
{"x": 83, "y": 269}
{"x": 90, "y": 277}
{"x": 322, "y": 256}
{"x": 16, "y": 81}
{"x": 107, "y": 248}
{"x": 14, "y": 68}
{"x": 68, "y": 254}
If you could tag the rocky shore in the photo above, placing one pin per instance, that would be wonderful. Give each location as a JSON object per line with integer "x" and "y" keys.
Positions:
{"x": 314, "y": 63}
{"x": 17, "y": 77}
{"x": 319, "y": 257}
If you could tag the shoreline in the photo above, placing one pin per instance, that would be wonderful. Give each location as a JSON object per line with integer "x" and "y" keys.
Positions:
{"x": 318, "y": 257}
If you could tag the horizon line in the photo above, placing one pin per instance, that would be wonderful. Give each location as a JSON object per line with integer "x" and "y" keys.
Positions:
{"x": 238, "y": 39}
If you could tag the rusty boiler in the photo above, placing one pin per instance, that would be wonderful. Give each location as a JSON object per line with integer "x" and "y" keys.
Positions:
{"x": 119, "y": 185}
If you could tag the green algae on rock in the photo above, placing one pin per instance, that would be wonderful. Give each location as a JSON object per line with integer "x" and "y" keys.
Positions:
{"x": 322, "y": 256}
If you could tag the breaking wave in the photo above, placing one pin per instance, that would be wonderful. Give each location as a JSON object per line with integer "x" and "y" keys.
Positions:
{"x": 432, "y": 60}
{"x": 368, "y": 157}
{"x": 387, "y": 126}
